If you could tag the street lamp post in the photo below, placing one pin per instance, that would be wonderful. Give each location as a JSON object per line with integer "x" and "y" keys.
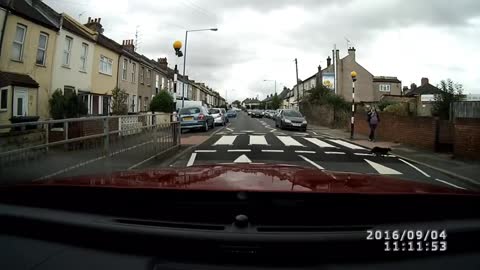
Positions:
{"x": 352, "y": 123}
{"x": 272, "y": 81}
{"x": 185, "y": 57}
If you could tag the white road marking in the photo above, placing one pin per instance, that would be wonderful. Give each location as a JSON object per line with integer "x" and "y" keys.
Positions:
{"x": 238, "y": 133}
{"x": 229, "y": 129}
{"x": 415, "y": 167}
{"x": 447, "y": 183}
{"x": 242, "y": 159}
{"x": 365, "y": 154}
{"x": 205, "y": 151}
{"x": 319, "y": 143}
{"x": 348, "y": 145}
{"x": 289, "y": 141}
{"x": 225, "y": 140}
{"x": 247, "y": 131}
{"x": 273, "y": 130}
{"x": 305, "y": 152}
{"x": 239, "y": 150}
{"x": 381, "y": 169}
{"x": 314, "y": 132}
{"x": 335, "y": 153}
{"x": 272, "y": 151}
{"x": 300, "y": 134}
{"x": 311, "y": 162}
{"x": 192, "y": 159}
{"x": 259, "y": 133}
{"x": 257, "y": 140}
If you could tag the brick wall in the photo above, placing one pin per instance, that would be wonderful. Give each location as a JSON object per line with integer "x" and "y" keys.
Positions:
{"x": 467, "y": 138}
{"x": 415, "y": 131}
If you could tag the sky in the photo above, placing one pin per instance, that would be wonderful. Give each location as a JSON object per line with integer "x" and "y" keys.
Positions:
{"x": 258, "y": 40}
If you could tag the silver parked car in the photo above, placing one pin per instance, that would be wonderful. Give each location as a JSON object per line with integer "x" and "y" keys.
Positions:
{"x": 219, "y": 116}
{"x": 291, "y": 119}
{"x": 195, "y": 117}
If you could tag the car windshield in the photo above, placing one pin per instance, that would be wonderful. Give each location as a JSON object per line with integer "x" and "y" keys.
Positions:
{"x": 193, "y": 110}
{"x": 385, "y": 92}
{"x": 292, "y": 113}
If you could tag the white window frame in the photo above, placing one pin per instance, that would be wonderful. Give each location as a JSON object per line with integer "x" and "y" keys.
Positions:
{"x": 134, "y": 70}
{"x": 149, "y": 76}
{"x": 6, "y": 108}
{"x": 83, "y": 57}
{"x": 20, "y": 43}
{"x": 44, "y": 60}
{"x": 124, "y": 69}
{"x": 384, "y": 88}
{"x": 67, "y": 51}
{"x": 142, "y": 75}
{"x": 106, "y": 65}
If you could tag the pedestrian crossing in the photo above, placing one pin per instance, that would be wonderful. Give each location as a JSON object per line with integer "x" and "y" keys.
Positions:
{"x": 287, "y": 141}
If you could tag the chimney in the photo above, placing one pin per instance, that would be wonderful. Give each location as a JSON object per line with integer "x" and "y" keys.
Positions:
{"x": 318, "y": 78}
{"x": 351, "y": 52}
{"x": 413, "y": 86}
{"x": 162, "y": 62}
{"x": 95, "y": 24}
{"x": 329, "y": 61}
{"x": 128, "y": 45}
{"x": 424, "y": 81}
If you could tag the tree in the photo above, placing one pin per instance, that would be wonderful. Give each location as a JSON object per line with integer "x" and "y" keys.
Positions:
{"x": 317, "y": 95}
{"x": 276, "y": 102}
{"x": 451, "y": 92}
{"x": 162, "y": 102}
{"x": 57, "y": 105}
{"x": 119, "y": 101}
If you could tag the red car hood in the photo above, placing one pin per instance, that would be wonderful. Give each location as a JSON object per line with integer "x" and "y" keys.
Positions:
{"x": 250, "y": 177}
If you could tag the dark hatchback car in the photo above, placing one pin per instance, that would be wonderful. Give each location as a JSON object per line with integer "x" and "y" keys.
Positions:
{"x": 291, "y": 119}
{"x": 257, "y": 113}
{"x": 196, "y": 117}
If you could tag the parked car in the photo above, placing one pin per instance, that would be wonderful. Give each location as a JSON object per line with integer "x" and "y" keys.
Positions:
{"x": 249, "y": 112}
{"x": 195, "y": 117}
{"x": 257, "y": 113}
{"x": 291, "y": 119}
{"x": 224, "y": 112}
{"x": 218, "y": 116}
{"x": 232, "y": 113}
{"x": 276, "y": 113}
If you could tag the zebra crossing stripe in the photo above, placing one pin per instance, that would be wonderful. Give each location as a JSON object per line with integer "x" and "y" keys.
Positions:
{"x": 319, "y": 143}
{"x": 381, "y": 169}
{"x": 348, "y": 145}
{"x": 311, "y": 162}
{"x": 289, "y": 141}
{"x": 257, "y": 140}
{"x": 225, "y": 140}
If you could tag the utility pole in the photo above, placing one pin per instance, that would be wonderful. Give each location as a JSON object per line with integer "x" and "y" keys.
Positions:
{"x": 353, "y": 74}
{"x": 296, "y": 69}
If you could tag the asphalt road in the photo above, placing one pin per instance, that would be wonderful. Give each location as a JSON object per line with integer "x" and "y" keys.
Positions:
{"x": 257, "y": 140}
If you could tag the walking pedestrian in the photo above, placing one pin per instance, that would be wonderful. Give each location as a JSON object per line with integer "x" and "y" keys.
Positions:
{"x": 373, "y": 120}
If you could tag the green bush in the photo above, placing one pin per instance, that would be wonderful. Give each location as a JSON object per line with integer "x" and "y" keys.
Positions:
{"x": 400, "y": 109}
{"x": 119, "y": 102}
{"x": 162, "y": 102}
{"x": 66, "y": 106}
{"x": 384, "y": 104}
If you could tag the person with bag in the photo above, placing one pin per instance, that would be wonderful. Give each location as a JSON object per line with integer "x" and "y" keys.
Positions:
{"x": 373, "y": 120}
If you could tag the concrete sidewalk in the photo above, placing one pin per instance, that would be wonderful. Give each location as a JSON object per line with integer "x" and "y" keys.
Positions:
{"x": 462, "y": 169}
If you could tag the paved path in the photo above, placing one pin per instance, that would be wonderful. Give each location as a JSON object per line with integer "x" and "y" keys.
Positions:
{"x": 252, "y": 140}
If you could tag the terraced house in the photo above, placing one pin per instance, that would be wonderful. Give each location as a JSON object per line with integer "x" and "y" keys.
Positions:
{"x": 27, "y": 46}
{"x": 128, "y": 74}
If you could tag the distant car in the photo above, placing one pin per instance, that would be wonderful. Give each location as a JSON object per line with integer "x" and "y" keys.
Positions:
{"x": 232, "y": 113}
{"x": 195, "y": 117}
{"x": 291, "y": 119}
{"x": 276, "y": 113}
{"x": 257, "y": 113}
{"x": 249, "y": 112}
{"x": 269, "y": 114}
{"x": 218, "y": 116}
{"x": 224, "y": 112}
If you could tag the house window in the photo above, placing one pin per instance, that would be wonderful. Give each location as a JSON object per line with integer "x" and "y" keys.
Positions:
{"x": 384, "y": 87}
{"x": 142, "y": 70}
{"x": 67, "y": 51}
{"x": 134, "y": 70}
{"x": 157, "y": 81}
{"x": 68, "y": 90}
{"x": 124, "y": 69}
{"x": 148, "y": 76}
{"x": 3, "y": 99}
{"x": 42, "y": 49}
{"x": 145, "y": 104}
{"x": 162, "y": 86}
{"x": 83, "y": 57}
{"x": 106, "y": 65}
{"x": 18, "y": 41}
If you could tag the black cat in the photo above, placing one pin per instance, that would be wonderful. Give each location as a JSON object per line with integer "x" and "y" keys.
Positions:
{"x": 380, "y": 151}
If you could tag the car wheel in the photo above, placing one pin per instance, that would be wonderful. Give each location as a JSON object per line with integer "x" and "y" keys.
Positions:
{"x": 303, "y": 129}
{"x": 213, "y": 125}
{"x": 205, "y": 128}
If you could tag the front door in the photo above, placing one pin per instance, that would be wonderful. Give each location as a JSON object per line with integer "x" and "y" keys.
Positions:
{"x": 20, "y": 102}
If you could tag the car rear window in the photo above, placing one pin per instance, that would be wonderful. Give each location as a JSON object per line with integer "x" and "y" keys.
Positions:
{"x": 190, "y": 110}
{"x": 213, "y": 111}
